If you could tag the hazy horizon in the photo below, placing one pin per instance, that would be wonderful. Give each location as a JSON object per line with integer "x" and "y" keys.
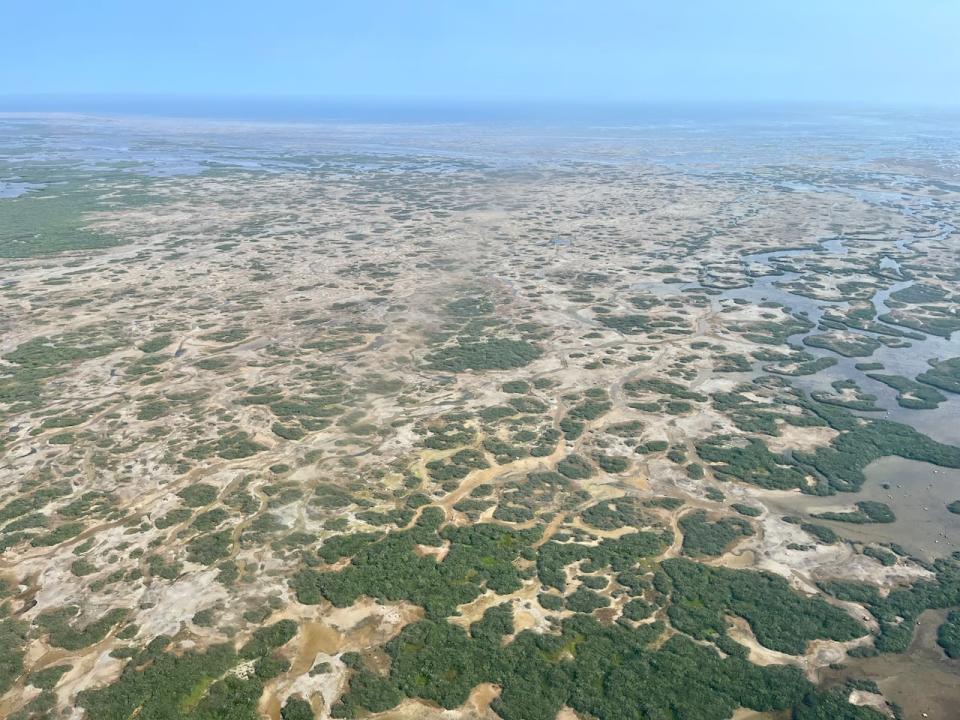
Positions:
{"x": 424, "y": 52}
{"x": 403, "y": 110}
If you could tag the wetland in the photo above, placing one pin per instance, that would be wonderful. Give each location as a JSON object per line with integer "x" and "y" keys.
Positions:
{"x": 646, "y": 421}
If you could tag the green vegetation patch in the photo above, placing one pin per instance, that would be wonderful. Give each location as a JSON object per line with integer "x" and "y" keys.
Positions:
{"x": 868, "y": 511}
{"x": 157, "y": 685}
{"x": 156, "y": 343}
{"x": 771, "y": 332}
{"x": 862, "y": 441}
{"x": 198, "y": 495}
{"x": 846, "y": 344}
{"x": 56, "y": 623}
{"x": 615, "y": 514}
{"x": 881, "y": 555}
{"x": 607, "y": 672}
{"x": 848, "y": 395}
{"x": 52, "y": 220}
{"x": 13, "y": 639}
{"x": 516, "y": 386}
{"x": 910, "y": 394}
{"x": 480, "y": 557}
{"x": 589, "y": 409}
{"x": 702, "y": 537}
{"x": 58, "y": 535}
{"x": 296, "y": 708}
{"x": 235, "y": 446}
{"x": 620, "y": 554}
{"x": 930, "y": 319}
{"x": 575, "y": 467}
{"x": 37, "y": 360}
{"x": 490, "y": 354}
{"x": 48, "y": 678}
{"x": 781, "y": 618}
{"x": 948, "y": 635}
{"x": 822, "y": 533}
{"x": 944, "y": 374}
{"x": 898, "y": 611}
{"x": 663, "y": 387}
{"x": 583, "y": 600}
{"x": 749, "y": 461}
{"x": 211, "y": 547}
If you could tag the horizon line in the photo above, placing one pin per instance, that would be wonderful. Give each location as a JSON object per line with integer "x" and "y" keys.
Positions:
{"x": 284, "y": 109}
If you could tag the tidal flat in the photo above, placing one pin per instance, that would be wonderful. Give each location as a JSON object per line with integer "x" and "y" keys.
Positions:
{"x": 640, "y": 420}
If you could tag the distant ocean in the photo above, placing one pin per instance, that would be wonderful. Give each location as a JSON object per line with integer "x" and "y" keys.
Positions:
{"x": 293, "y": 109}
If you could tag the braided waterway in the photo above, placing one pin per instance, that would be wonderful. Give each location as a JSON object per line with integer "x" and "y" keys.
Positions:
{"x": 922, "y": 680}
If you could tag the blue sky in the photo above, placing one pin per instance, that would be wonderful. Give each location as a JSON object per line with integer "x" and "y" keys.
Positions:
{"x": 900, "y": 51}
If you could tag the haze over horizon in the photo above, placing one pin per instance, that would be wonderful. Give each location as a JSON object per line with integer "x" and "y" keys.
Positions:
{"x": 428, "y": 51}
